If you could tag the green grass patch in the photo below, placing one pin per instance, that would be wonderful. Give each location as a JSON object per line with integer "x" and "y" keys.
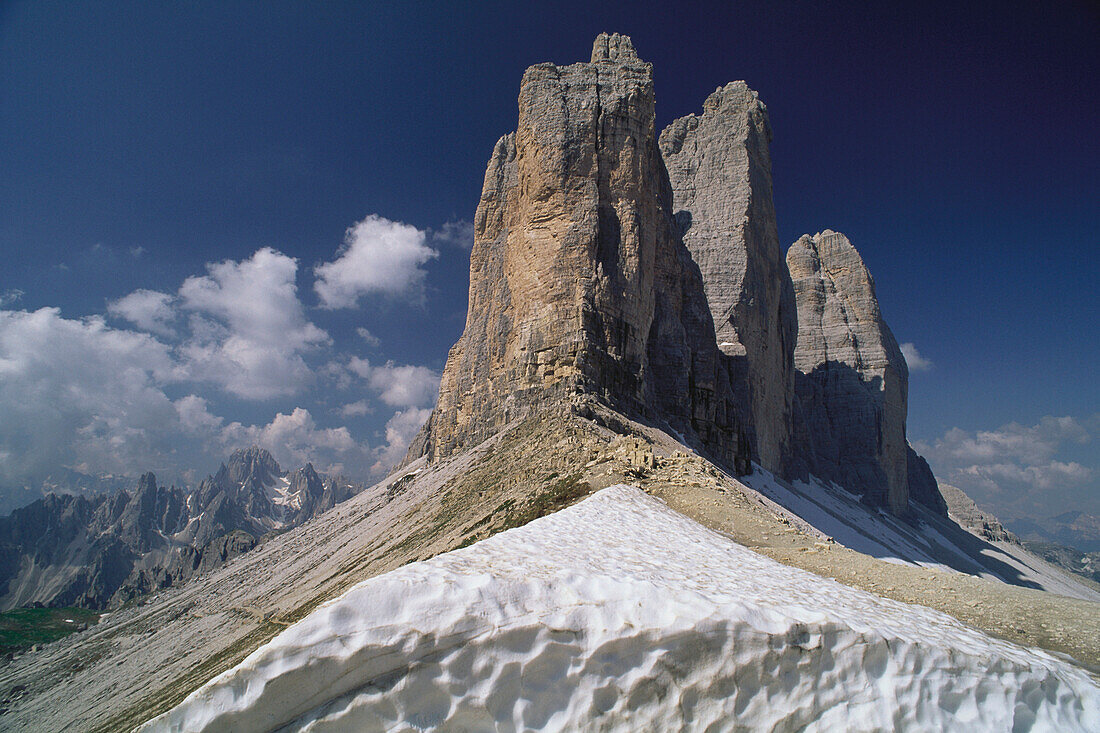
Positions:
{"x": 24, "y": 627}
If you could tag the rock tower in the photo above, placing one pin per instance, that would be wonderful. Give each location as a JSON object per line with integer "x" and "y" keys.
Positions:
{"x": 579, "y": 281}
{"x": 721, "y": 174}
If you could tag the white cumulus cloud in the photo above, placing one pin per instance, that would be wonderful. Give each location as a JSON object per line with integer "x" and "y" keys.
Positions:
{"x": 1015, "y": 468}
{"x": 378, "y": 256}
{"x": 913, "y": 359}
{"x": 400, "y": 430}
{"x": 356, "y": 409}
{"x": 76, "y": 392}
{"x": 458, "y": 233}
{"x": 399, "y": 385}
{"x": 367, "y": 336}
{"x": 249, "y": 329}
{"x": 294, "y": 438}
{"x": 149, "y": 310}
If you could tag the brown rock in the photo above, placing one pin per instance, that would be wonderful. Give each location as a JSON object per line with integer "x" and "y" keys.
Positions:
{"x": 579, "y": 282}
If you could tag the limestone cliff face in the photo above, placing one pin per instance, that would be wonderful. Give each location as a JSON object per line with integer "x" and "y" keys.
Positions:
{"x": 923, "y": 487}
{"x": 579, "y": 282}
{"x": 852, "y": 383}
{"x": 719, "y": 166}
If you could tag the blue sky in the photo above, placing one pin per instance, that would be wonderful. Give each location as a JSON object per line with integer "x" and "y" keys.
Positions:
{"x": 240, "y": 166}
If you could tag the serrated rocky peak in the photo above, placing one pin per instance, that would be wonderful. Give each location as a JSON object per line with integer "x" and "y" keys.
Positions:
{"x": 306, "y": 479}
{"x": 103, "y": 550}
{"x": 720, "y": 169}
{"x": 853, "y": 384}
{"x": 152, "y": 513}
{"x": 579, "y": 282}
{"x": 598, "y": 273}
{"x": 253, "y": 464}
{"x": 613, "y": 47}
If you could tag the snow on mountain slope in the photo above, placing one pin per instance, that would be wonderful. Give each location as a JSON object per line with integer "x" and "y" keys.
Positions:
{"x": 619, "y": 613}
{"x": 928, "y": 540}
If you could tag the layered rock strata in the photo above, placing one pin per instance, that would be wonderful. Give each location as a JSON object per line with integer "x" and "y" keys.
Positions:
{"x": 579, "y": 281}
{"x": 852, "y": 382}
{"x": 719, "y": 166}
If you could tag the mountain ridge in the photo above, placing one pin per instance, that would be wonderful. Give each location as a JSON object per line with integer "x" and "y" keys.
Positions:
{"x": 101, "y": 551}
{"x": 590, "y": 359}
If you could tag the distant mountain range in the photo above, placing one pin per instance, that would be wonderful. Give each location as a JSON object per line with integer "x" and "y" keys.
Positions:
{"x": 1042, "y": 537}
{"x": 1076, "y": 529}
{"x": 100, "y": 550}
{"x": 61, "y": 481}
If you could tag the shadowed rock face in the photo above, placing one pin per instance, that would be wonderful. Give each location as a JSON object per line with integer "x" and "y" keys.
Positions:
{"x": 720, "y": 169}
{"x": 852, "y": 383}
{"x": 579, "y": 282}
{"x": 923, "y": 487}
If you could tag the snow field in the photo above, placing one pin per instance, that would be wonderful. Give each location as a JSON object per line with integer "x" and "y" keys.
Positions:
{"x": 621, "y": 614}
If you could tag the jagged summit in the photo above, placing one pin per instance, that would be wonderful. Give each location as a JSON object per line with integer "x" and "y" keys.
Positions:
{"x": 852, "y": 382}
{"x": 719, "y": 166}
{"x": 255, "y": 462}
{"x": 613, "y": 47}
{"x": 646, "y": 273}
{"x": 103, "y": 550}
{"x": 579, "y": 282}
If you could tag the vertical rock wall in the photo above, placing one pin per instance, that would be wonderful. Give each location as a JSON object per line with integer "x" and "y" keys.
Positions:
{"x": 663, "y": 292}
{"x": 852, "y": 383}
{"x": 579, "y": 282}
{"x": 720, "y": 169}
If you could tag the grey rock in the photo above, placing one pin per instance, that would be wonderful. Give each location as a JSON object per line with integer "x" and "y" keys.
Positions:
{"x": 964, "y": 511}
{"x": 852, "y": 382}
{"x": 103, "y": 550}
{"x": 923, "y": 487}
{"x": 719, "y": 166}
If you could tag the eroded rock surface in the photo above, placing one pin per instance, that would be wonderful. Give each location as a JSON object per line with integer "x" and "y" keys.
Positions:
{"x": 852, "y": 382}
{"x": 579, "y": 282}
{"x": 719, "y": 166}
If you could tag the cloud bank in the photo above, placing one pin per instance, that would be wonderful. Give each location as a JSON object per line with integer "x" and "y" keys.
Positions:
{"x": 1019, "y": 470}
{"x": 158, "y": 387}
{"x": 378, "y": 256}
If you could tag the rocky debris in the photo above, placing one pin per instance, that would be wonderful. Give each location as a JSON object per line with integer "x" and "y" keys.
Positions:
{"x": 635, "y": 453}
{"x": 101, "y": 551}
{"x": 719, "y": 167}
{"x": 579, "y": 282}
{"x": 852, "y": 382}
{"x": 143, "y": 657}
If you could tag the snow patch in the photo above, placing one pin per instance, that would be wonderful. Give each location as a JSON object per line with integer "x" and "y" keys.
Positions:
{"x": 570, "y": 622}
{"x": 929, "y": 541}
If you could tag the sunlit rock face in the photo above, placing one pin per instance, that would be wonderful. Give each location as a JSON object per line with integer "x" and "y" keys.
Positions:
{"x": 579, "y": 281}
{"x": 720, "y": 169}
{"x": 852, "y": 383}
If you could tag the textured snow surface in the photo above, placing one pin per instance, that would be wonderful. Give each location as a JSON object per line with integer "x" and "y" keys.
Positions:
{"x": 619, "y": 613}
